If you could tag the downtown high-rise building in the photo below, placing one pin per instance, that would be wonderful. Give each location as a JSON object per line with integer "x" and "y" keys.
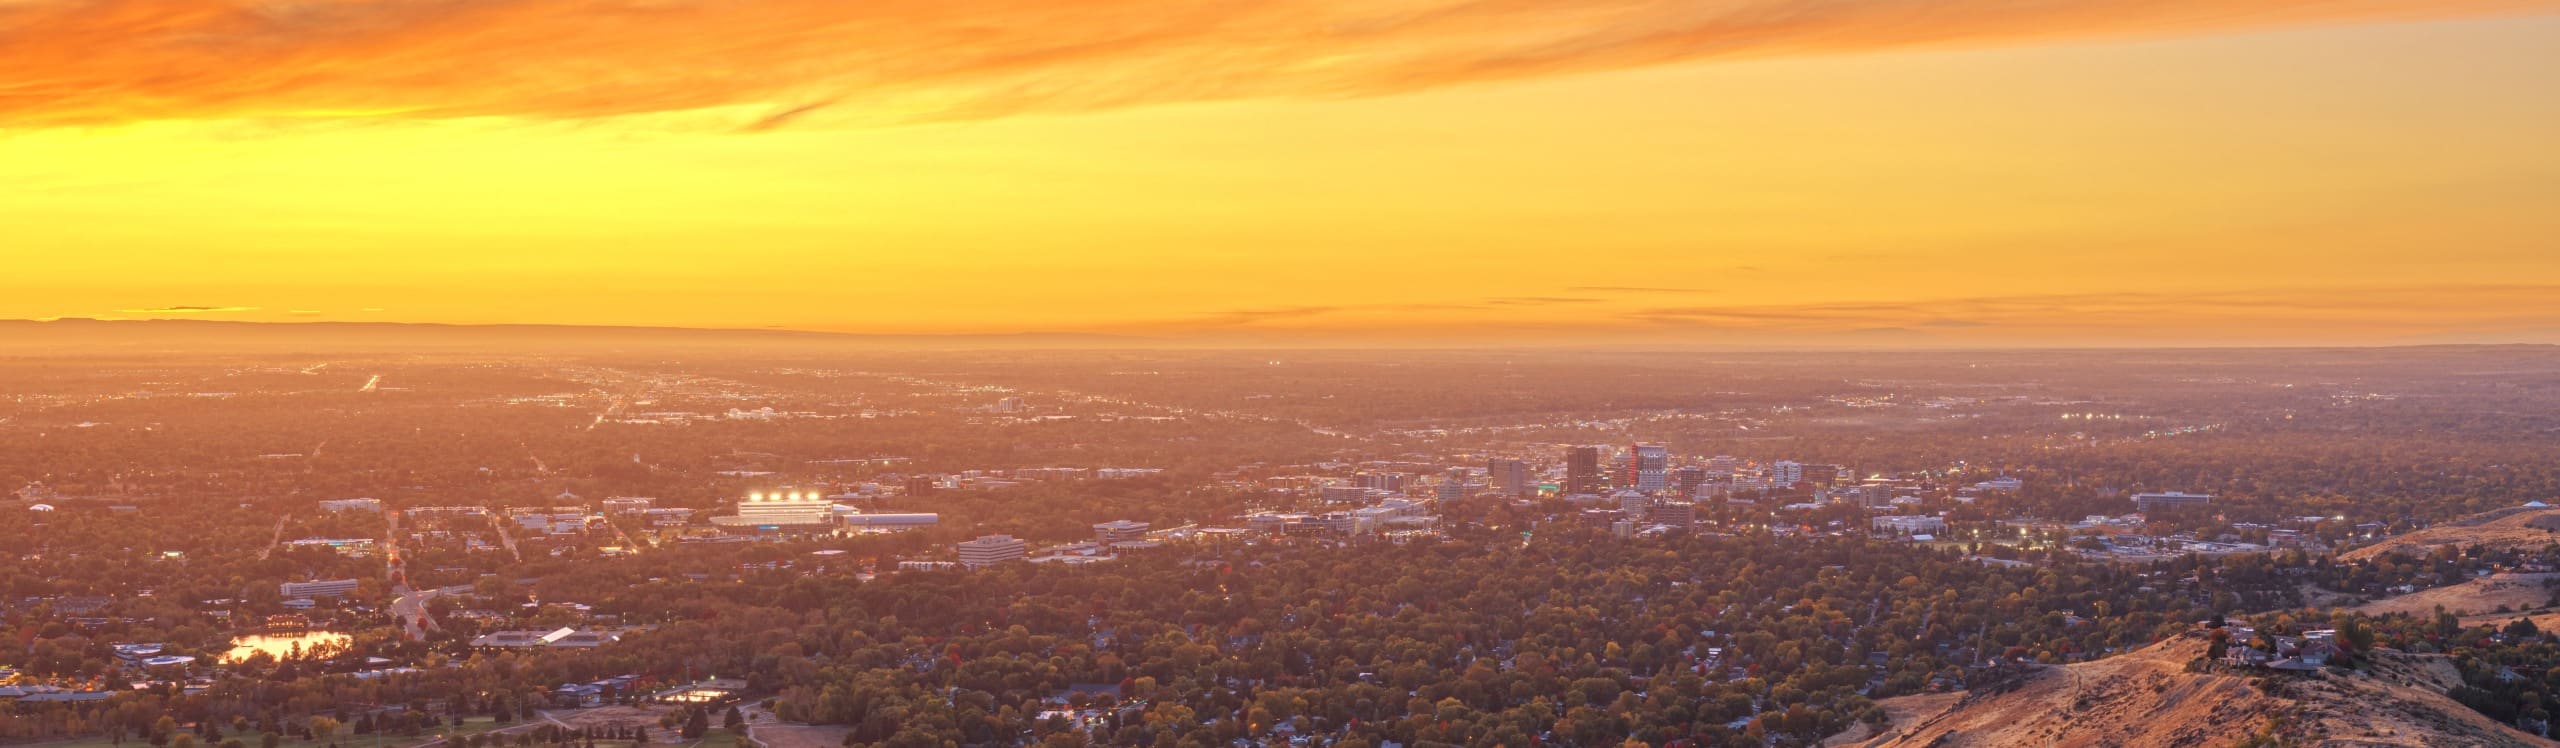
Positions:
{"x": 1648, "y": 468}
{"x": 1786, "y": 473}
{"x": 1511, "y": 477}
{"x": 1688, "y": 481}
{"x": 1457, "y": 484}
{"x": 1582, "y": 470}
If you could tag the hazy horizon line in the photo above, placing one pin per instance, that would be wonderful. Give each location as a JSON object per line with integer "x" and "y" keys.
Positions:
{"x": 1306, "y": 341}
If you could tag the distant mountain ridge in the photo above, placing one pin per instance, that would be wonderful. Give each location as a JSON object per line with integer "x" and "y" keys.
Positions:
{"x": 188, "y": 334}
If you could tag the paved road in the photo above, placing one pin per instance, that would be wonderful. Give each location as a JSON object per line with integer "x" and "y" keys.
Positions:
{"x": 278, "y": 540}
{"x": 627, "y": 541}
{"x": 408, "y": 605}
{"x": 411, "y": 608}
{"x": 499, "y": 523}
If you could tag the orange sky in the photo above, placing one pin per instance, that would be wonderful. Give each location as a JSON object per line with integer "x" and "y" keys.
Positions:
{"x": 1780, "y": 172}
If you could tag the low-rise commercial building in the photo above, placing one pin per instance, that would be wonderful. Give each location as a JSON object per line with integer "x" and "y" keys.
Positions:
{"x": 1120, "y": 530}
{"x": 2153, "y": 501}
{"x": 1908, "y": 524}
{"x": 889, "y": 521}
{"x": 627, "y": 504}
{"x": 323, "y": 588}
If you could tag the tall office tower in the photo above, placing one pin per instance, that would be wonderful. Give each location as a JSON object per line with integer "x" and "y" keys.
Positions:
{"x": 1649, "y": 467}
{"x": 1582, "y": 470}
{"x": 1452, "y": 488}
{"x": 1511, "y": 477}
{"x": 1688, "y": 479}
{"x": 1786, "y": 473}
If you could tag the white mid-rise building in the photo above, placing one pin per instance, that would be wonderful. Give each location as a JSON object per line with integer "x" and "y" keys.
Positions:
{"x": 990, "y": 550}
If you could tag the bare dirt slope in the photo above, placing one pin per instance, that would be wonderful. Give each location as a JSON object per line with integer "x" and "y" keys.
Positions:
{"x": 1901, "y": 711}
{"x": 2516, "y": 592}
{"x": 2148, "y": 698}
{"x": 2542, "y": 619}
{"x": 2505, "y": 528}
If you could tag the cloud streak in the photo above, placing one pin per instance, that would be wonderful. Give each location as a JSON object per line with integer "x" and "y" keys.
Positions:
{"x": 188, "y": 310}
{"x": 1539, "y": 300}
{"x": 1640, "y": 289}
{"x": 87, "y": 62}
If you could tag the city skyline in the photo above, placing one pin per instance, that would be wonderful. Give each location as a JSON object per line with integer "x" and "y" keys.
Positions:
{"x": 1279, "y": 374}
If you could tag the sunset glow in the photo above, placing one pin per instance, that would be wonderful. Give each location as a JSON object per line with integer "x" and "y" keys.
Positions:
{"x": 1310, "y": 172}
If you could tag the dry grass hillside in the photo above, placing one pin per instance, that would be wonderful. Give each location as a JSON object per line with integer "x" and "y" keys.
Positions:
{"x": 2516, "y": 592}
{"x": 1901, "y": 712}
{"x": 2528, "y": 529}
{"x": 2149, "y": 698}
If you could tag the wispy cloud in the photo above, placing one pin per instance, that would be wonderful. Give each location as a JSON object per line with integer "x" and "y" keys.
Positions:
{"x": 777, "y": 119}
{"x": 1239, "y": 317}
{"x": 188, "y": 310}
{"x": 1540, "y": 300}
{"x": 1637, "y": 289}
{"x": 74, "y": 62}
